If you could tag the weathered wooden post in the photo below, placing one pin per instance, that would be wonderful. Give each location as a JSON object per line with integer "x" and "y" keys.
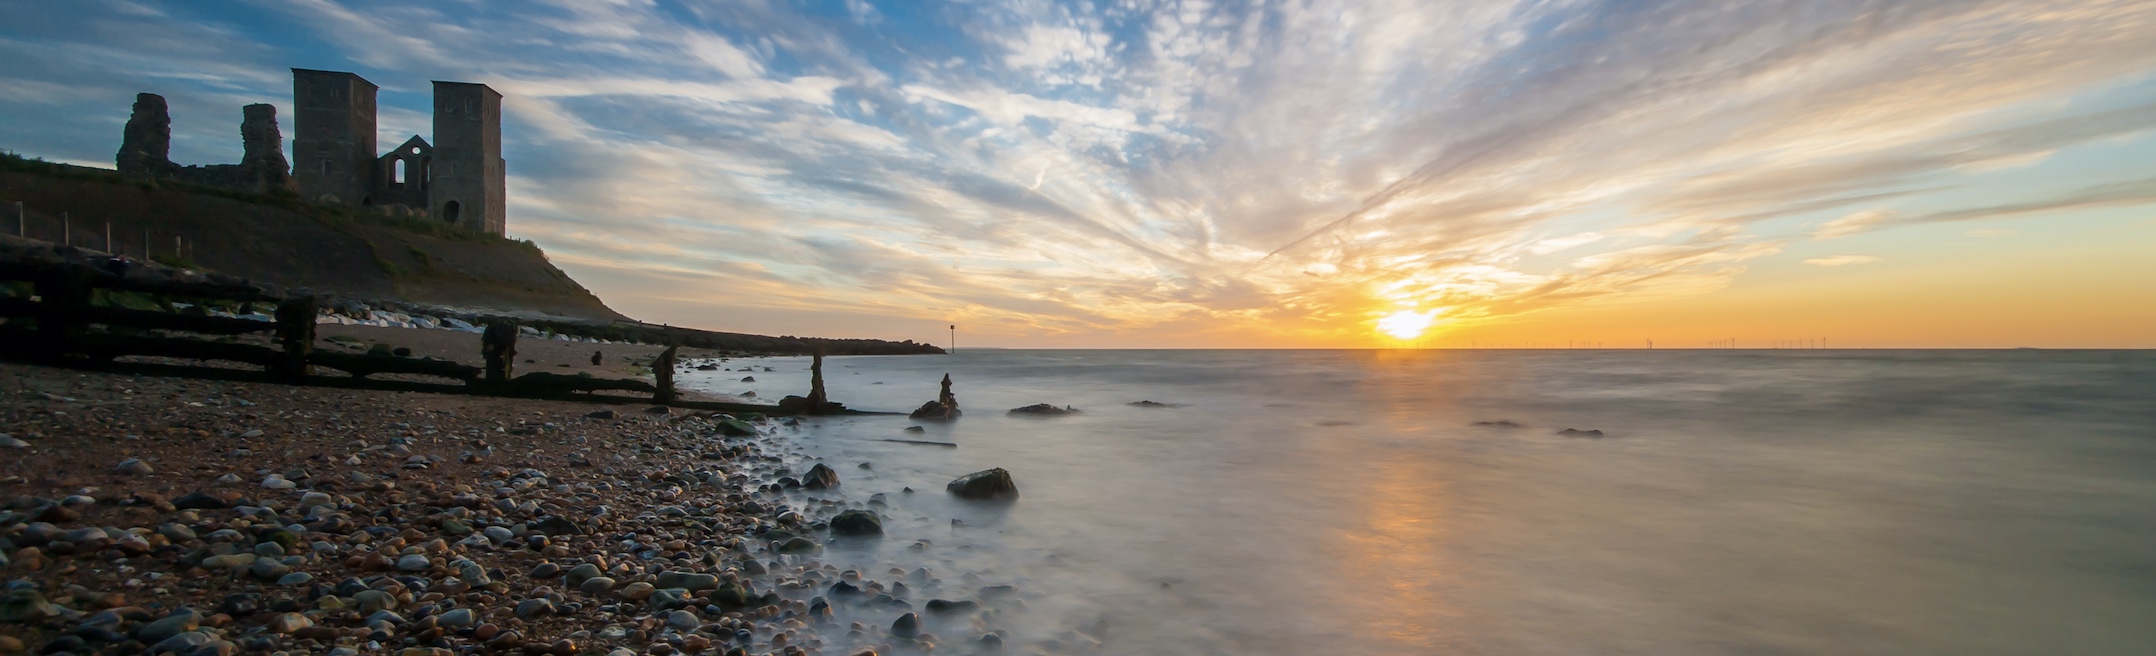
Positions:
{"x": 499, "y": 345}
{"x": 662, "y": 374}
{"x": 63, "y": 294}
{"x": 295, "y": 331}
{"x": 816, "y": 396}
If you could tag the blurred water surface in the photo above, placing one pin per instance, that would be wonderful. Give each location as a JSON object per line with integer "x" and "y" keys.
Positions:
{"x": 1344, "y": 502}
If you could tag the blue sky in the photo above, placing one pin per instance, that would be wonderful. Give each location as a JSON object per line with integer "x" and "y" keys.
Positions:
{"x": 1209, "y": 174}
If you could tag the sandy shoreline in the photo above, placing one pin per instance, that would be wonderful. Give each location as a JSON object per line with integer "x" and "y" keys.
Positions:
{"x": 315, "y": 520}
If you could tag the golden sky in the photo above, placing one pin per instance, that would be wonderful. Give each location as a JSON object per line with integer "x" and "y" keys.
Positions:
{"x": 1176, "y": 173}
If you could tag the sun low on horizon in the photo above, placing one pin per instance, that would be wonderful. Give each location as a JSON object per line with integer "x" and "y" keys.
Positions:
{"x": 1181, "y": 174}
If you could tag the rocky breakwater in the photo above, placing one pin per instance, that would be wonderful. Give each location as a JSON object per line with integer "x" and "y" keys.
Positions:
{"x": 654, "y": 534}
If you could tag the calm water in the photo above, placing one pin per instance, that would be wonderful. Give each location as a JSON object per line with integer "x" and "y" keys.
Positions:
{"x": 1744, "y": 502}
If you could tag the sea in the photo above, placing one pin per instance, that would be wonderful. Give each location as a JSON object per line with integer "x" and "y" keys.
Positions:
{"x": 1431, "y": 502}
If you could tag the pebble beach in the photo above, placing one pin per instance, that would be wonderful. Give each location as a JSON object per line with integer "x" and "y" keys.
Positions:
{"x": 149, "y": 515}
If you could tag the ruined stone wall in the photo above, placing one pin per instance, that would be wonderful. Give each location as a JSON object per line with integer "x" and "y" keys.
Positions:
{"x": 146, "y": 146}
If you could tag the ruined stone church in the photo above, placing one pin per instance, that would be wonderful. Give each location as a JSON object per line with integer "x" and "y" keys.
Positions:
{"x": 458, "y": 178}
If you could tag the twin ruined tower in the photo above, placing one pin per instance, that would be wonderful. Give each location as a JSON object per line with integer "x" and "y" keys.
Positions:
{"x": 459, "y": 178}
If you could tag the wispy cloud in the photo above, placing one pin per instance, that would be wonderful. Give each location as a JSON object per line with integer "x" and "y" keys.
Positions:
{"x": 1841, "y": 260}
{"x": 1276, "y": 171}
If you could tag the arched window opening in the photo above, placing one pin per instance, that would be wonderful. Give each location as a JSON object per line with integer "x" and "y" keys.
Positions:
{"x": 396, "y": 175}
{"x": 450, "y": 211}
{"x": 426, "y": 170}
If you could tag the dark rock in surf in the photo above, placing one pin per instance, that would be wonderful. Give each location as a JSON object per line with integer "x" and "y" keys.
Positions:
{"x": 819, "y": 477}
{"x": 1154, "y": 404}
{"x": 1501, "y": 423}
{"x": 941, "y": 606}
{"x": 993, "y": 484}
{"x": 857, "y": 523}
{"x": 1574, "y": 432}
{"x": 944, "y": 407}
{"x": 1043, "y": 410}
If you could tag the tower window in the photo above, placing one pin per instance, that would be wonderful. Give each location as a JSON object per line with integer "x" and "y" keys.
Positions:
{"x": 325, "y": 167}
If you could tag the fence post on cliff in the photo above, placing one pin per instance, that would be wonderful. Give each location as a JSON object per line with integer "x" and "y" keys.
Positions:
{"x": 295, "y": 330}
{"x": 63, "y": 293}
{"x": 662, "y": 374}
{"x": 499, "y": 345}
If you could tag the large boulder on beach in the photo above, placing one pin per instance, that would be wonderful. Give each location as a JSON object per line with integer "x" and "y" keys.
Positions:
{"x": 990, "y": 485}
{"x": 857, "y": 523}
{"x": 1043, "y": 410}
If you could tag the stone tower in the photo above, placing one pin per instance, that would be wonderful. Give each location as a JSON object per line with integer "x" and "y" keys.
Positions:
{"x": 333, "y": 153}
{"x": 467, "y": 186}
{"x": 263, "y": 163}
{"x": 147, "y": 142}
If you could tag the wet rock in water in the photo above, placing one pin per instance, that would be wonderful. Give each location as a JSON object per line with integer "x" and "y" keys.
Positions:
{"x": 993, "y": 484}
{"x": 819, "y": 477}
{"x": 198, "y": 501}
{"x": 736, "y": 428}
{"x": 531, "y": 608}
{"x": 734, "y": 596}
{"x": 857, "y": 523}
{"x": 748, "y": 379}
{"x": 1154, "y": 404}
{"x": 934, "y": 410}
{"x": 1043, "y": 410}
{"x": 601, "y": 414}
{"x": 1574, "y": 432}
{"x": 907, "y": 626}
{"x": 134, "y": 467}
{"x": 799, "y": 545}
{"x": 941, "y": 606}
{"x": 1501, "y": 423}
